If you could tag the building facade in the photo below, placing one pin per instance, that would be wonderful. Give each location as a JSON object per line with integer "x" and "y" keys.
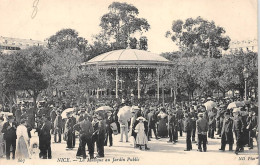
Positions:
{"x": 8, "y": 44}
{"x": 245, "y": 46}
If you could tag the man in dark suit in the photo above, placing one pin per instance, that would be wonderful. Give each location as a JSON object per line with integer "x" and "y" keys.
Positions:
{"x": 86, "y": 130}
{"x": 219, "y": 119}
{"x": 81, "y": 115}
{"x": 202, "y": 129}
{"x": 74, "y": 121}
{"x": 212, "y": 126}
{"x": 180, "y": 119}
{"x": 188, "y": 130}
{"x": 109, "y": 131}
{"x": 45, "y": 138}
{"x": 53, "y": 115}
{"x": 9, "y": 130}
{"x": 101, "y": 136}
{"x": 251, "y": 127}
{"x": 151, "y": 118}
{"x": 194, "y": 118}
{"x": 171, "y": 120}
{"x": 69, "y": 131}
{"x": 227, "y": 133}
{"x": 238, "y": 127}
{"x": 57, "y": 126}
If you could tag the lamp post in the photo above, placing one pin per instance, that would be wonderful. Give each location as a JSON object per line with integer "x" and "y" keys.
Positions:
{"x": 245, "y": 74}
{"x": 163, "y": 94}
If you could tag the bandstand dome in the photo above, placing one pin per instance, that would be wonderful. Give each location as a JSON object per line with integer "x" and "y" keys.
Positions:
{"x": 125, "y": 59}
{"x": 128, "y": 57}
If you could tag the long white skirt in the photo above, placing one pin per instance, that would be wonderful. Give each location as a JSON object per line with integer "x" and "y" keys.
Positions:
{"x": 141, "y": 138}
{"x": 22, "y": 149}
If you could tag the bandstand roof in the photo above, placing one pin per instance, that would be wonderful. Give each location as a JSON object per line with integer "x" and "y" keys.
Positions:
{"x": 128, "y": 58}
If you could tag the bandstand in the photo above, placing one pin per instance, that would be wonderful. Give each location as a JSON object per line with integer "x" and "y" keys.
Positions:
{"x": 127, "y": 61}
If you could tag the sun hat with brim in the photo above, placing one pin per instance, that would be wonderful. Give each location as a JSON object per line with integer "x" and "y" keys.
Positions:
{"x": 140, "y": 118}
{"x": 10, "y": 116}
{"x": 236, "y": 110}
{"x": 135, "y": 108}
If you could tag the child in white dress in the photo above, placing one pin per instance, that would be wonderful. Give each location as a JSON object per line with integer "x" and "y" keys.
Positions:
{"x": 141, "y": 138}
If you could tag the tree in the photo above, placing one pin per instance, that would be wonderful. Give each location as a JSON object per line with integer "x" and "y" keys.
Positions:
{"x": 122, "y": 21}
{"x": 25, "y": 72}
{"x": 199, "y": 37}
{"x": 143, "y": 43}
{"x": 67, "y": 52}
{"x": 67, "y": 38}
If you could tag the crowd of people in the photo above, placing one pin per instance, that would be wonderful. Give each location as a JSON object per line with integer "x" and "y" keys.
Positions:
{"x": 92, "y": 128}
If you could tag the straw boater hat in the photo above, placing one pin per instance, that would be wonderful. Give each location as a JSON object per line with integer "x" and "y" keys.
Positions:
{"x": 140, "y": 118}
{"x": 200, "y": 115}
{"x": 236, "y": 110}
{"x": 134, "y": 108}
{"x": 10, "y": 116}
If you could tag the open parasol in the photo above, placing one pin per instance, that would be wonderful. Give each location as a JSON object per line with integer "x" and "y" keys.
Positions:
{"x": 124, "y": 113}
{"x": 65, "y": 112}
{"x": 236, "y": 104}
{"x": 209, "y": 105}
{"x": 103, "y": 109}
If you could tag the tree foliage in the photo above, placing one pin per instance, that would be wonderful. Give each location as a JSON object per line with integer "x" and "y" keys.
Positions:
{"x": 67, "y": 38}
{"x": 23, "y": 70}
{"x": 119, "y": 26}
{"x": 207, "y": 75}
{"x": 199, "y": 37}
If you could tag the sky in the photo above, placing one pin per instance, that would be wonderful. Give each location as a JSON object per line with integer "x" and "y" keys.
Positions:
{"x": 238, "y": 17}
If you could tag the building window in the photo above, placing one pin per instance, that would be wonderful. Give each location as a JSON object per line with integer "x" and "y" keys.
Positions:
{"x": 13, "y": 43}
{"x": 27, "y": 45}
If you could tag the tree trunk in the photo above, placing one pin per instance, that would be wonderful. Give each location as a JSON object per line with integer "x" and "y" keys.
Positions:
{"x": 256, "y": 90}
{"x": 224, "y": 94}
{"x": 241, "y": 92}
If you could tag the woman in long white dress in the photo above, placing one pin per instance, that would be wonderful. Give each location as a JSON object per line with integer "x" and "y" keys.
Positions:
{"x": 22, "y": 146}
{"x": 2, "y": 141}
{"x": 141, "y": 138}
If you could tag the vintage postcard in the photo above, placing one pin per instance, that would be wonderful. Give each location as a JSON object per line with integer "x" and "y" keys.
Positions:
{"x": 129, "y": 82}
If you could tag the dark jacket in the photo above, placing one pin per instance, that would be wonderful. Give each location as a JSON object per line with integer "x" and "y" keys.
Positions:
{"x": 58, "y": 122}
{"x": 251, "y": 122}
{"x": 44, "y": 135}
{"x": 194, "y": 117}
{"x": 212, "y": 122}
{"x": 227, "y": 131}
{"x": 85, "y": 128}
{"x": 238, "y": 124}
{"x": 53, "y": 115}
{"x": 187, "y": 125}
{"x": 44, "y": 130}
{"x": 109, "y": 121}
{"x": 202, "y": 125}
{"x": 9, "y": 134}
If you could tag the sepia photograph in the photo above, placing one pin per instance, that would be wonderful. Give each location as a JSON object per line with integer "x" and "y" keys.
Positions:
{"x": 129, "y": 82}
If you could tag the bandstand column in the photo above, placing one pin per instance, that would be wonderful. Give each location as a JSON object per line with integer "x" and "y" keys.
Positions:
{"x": 158, "y": 84}
{"x": 116, "y": 82}
{"x": 138, "y": 82}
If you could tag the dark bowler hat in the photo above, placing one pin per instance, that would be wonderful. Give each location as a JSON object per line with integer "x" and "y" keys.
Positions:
{"x": 227, "y": 113}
